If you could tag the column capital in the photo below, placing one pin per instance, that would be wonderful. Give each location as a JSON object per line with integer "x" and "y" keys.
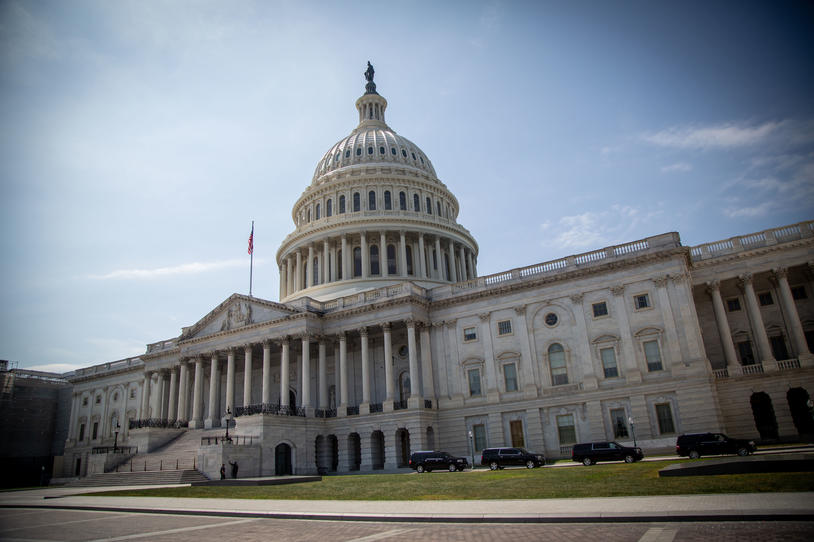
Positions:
{"x": 451, "y": 323}
{"x": 661, "y": 282}
{"x": 618, "y": 290}
{"x": 283, "y": 341}
{"x": 247, "y": 347}
{"x": 745, "y": 279}
{"x": 410, "y": 323}
{"x": 341, "y": 336}
{"x": 678, "y": 279}
{"x": 362, "y": 331}
{"x": 576, "y": 299}
{"x": 521, "y": 309}
{"x": 484, "y": 316}
{"x": 267, "y": 343}
{"x": 780, "y": 272}
{"x": 713, "y": 285}
{"x": 386, "y": 326}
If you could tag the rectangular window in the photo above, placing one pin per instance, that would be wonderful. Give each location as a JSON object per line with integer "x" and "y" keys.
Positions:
{"x": 609, "y": 362}
{"x": 779, "y": 347}
{"x": 95, "y": 430}
{"x": 504, "y": 327}
{"x": 799, "y": 292}
{"x": 510, "y": 375}
{"x": 745, "y": 353}
{"x": 765, "y": 299}
{"x": 641, "y": 301}
{"x": 652, "y": 355}
{"x": 474, "y": 382}
{"x": 665, "y": 417}
{"x": 470, "y": 334}
{"x": 82, "y": 432}
{"x": 516, "y": 431}
{"x": 479, "y": 433}
{"x": 84, "y": 401}
{"x": 600, "y": 309}
{"x": 98, "y": 399}
{"x": 132, "y": 393}
{"x": 733, "y": 304}
{"x": 566, "y": 430}
{"x": 618, "y": 420}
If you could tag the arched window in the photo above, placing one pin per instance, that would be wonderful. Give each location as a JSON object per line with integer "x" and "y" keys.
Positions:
{"x": 438, "y": 208}
{"x": 329, "y": 207}
{"x": 317, "y": 211}
{"x": 371, "y": 201}
{"x": 388, "y": 205}
{"x": 409, "y": 260}
{"x": 402, "y": 201}
{"x": 374, "y": 260}
{"x": 357, "y": 262}
{"x": 434, "y": 260}
{"x": 429, "y": 205}
{"x": 446, "y": 267}
{"x": 449, "y": 213}
{"x": 308, "y": 215}
{"x": 763, "y": 413}
{"x": 315, "y": 274}
{"x": 356, "y": 202}
{"x": 391, "y": 259}
{"x": 416, "y": 203}
{"x": 339, "y": 265}
{"x": 341, "y": 205}
{"x": 556, "y": 362}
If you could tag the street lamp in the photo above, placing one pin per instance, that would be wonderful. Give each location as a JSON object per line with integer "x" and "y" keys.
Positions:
{"x": 116, "y": 433}
{"x": 228, "y": 414}
{"x": 632, "y": 429}
{"x": 472, "y": 448}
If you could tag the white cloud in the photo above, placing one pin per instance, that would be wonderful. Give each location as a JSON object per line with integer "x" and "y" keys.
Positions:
{"x": 715, "y": 136}
{"x": 176, "y": 270}
{"x": 57, "y": 367}
{"x": 678, "y": 166}
{"x": 749, "y": 212}
{"x": 619, "y": 223}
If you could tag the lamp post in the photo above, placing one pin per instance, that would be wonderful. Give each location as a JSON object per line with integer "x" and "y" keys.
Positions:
{"x": 116, "y": 436}
{"x": 632, "y": 429}
{"x": 472, "y": 449}
{"x": 228, "y": 415}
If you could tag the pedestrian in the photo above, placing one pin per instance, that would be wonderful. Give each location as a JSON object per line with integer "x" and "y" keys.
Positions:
{"x": 223, "y": 471}
{"x": 234, "y": 468}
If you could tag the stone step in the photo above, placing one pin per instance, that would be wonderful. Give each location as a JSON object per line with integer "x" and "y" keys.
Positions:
{"x": 185, "y": 476}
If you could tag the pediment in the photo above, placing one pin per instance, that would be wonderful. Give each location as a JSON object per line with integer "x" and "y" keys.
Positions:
{"x": 236, "y": 312}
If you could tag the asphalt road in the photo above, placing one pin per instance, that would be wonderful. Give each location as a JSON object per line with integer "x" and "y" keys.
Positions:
{"x": 40, "y": 525}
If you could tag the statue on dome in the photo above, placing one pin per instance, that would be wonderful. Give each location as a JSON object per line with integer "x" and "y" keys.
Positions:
{"x": 370, "y": 87}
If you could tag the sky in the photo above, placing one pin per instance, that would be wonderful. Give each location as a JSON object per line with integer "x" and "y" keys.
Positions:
{"x": 139, "y": 139}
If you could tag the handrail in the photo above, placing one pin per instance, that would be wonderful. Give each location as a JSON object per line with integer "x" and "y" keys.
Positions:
{"x": 269, "y": 408}
{"x": 157, "y": 422}
{"x": 235, "y": 440}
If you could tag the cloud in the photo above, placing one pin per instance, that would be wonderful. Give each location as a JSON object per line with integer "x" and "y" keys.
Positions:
{"x": 678, "y": 166}
{"x": 56, "y": 367}
{"x": 749, "y": 212}
{"x": 719, "y": 136}
{"x": 617, "y": 224}
{"x": 193, "y": 268}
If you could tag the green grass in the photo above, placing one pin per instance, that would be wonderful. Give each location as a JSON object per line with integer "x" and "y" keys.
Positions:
{"x": 608, "y": 480}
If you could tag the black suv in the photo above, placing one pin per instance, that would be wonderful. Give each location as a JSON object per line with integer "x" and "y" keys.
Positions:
{"x": 697, "y": 444}
{"x": 497, "y": 458}
{"x": 429, "y": 461}
{"x": 589, "y": 453}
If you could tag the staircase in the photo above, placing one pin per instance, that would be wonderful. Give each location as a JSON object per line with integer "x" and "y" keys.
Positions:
{"x": 185, "y": 476}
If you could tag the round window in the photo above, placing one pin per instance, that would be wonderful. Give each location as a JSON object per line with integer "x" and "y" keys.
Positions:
{"x": 403, "y": 351}
{"x": 551, "y": 319}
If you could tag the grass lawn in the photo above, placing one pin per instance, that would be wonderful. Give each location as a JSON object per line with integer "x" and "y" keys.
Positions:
{"x": 604, "y": 480}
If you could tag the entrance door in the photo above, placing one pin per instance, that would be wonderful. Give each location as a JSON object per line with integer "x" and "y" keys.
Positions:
{"x": 282, "y": 459}
{"x": 516, "y": 429}
{"x": 78, "y": 470}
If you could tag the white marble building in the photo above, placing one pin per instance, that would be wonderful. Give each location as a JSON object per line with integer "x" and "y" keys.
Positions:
{"x": 386, "y": 340}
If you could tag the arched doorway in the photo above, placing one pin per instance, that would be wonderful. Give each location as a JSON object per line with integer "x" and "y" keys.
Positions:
{"x": 292, "y": 398}
{"x": 800, "y": 413}
{"x": 430, "y": 438}
{"x": 333, "y": 445}
{"x": 377, "y": 450}
{"x": 321, "y": 454}
{"x": 404, "y": 386}
{"x": 354, "y": 452}
{"x": 763, "y": 412}
{"x": 403, "y": 447}
{"x": 282, "y": 459}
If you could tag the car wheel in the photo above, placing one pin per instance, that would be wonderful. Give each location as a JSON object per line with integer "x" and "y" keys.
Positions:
{"x": 629, "y": 458}
{"x": 694, "y": 454}
{"x": 743, "y": 451}
{"x": 587, "y": 461}
{"x": 452, "y": 468}
{"x": 493, "y": 465}
{"x": 529, "y": 464}
{"x": 419, "y": 469}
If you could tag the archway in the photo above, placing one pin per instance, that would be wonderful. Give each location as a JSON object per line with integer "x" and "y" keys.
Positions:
{"x": 763, "y": 412}
{"x": 403, "y": 447}
{"x": 800, "y": 413}
{"x": 377, "y": 450}
{"x": 333, "y": 446}
{"x": 354, "y": 452}
{"x": 321, "y": 454}
{"x": 282, "y": 459}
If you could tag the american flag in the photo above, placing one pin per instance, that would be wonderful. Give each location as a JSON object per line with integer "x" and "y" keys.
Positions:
{"x": 251, "y": 240}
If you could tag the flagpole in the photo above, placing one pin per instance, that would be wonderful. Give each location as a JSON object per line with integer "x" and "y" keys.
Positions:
{"x": 251, "y": 258}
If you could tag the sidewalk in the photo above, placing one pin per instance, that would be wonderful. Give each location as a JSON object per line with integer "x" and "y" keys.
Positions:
{"x": 728, "y": 507}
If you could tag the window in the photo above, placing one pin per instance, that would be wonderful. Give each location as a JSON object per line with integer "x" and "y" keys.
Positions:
{"x": 765, "y": 299}
{"x": 388, "y": 203}
{"x": 510, "y": 376}
{"x": 370, "y": 150}
{"x": 416, "y": 204}
{"x": 799, "y": 292}
{"x": 551, "y": 319}
{"x": 132, "y": 393}
{"x": 429, "y": 206}
{"x": 308, "y": 215}
{"x": 393, "y": 151}
{"x": 317, "y": 211}
{"x": 315, "y": 271}
{"x": 329, "y": 208}
{"x": 402, "y": 201}
{"x": 608, "y": 356}
{"x": 664, "y": 415}
{"x": 652, "y": 355}
{"x": 98, "y": 399}
{"x": 745, "y": 353}
{"x": 95, "y": 433}
{"x": 566, "y": 430}
{"x": 617, "y": 416}
{"x": 413, "y": 154}
{"x": 359, "y": 151}
{"x": 504, "y": 327}
{"x": 356, "y": 202}
{"x": 473, "y": 375}
{"x": 600, "y": 309}
{"x": 556, "y": 361}
{"x": 347, "y": 153}
{"x": 779, "y": 349}
{"x": 438, "y": 207}
{"x": 84, "y": 401}
{"x": 470, "y": 334}
{"x": 479, "y": 434}
{"x": 340, "y": 264}
{"x": 733, "y": 304}
{"x": 374, "y": 260}
{"x": 357, "y": 262}
{"x": 391, "y": 259}
{"x": 409, "y": 252}
{"x": 82, "y": 432}
{"x": 341, "y": 205}
{"x": 404, "y": 153}
{"x": 371, "y": 201}
{"x": 641, "y": 301}
{"x": 381, "y": 150}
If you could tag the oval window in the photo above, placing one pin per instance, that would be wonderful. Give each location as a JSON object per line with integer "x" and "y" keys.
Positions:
{"x": 551, "y": 319}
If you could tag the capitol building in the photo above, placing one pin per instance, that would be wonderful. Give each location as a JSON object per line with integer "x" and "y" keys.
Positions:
{"x": 386, "y": 340}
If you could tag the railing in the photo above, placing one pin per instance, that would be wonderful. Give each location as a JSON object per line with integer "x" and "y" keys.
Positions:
{"x": 235, "y": 440}
{"x": 565, "y": 451}
{"x": 156, "y": 422}
{"x": 325, "y": 413}
{"x": 160, "y": 465}
{"x": 754, "y": 369}
{"x": 788, "y": 364}
{"x": 783, "y": 234}
{"x": 399, "y": 405}
{"x": 720, "y": 373}
{"x": 126, "y": 450}
{"x": 375, "y": 407}
{"x": 353, "y": 410}
{"x": 269, "y": 408}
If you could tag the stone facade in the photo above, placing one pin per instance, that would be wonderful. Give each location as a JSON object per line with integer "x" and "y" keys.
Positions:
{"x": 387, "y": 341}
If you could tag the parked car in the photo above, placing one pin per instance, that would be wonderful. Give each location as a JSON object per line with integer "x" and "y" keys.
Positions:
{"x": 589, "y": 453}
{"x": 497, "y": 458}
{"x": 697, "y": 444}
{"x": 433, "y": 460}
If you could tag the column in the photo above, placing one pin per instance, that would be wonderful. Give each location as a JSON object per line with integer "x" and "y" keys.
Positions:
{"x": 145, "y": 395}
{"x": 282, "y": 280}
{"x": 289, "y": 276}
{"x": 422, "y": 257}
{"x": 439, "y": 259}
{"x": 472, "y": 273}
{"x": 172, "y": 413}
{"x": 266, "y": 397}
{"x": 492, "y": 393}
{"x": 526, "y": 373}
{"x": 344, "y": 258}
{"x": 632, "y": 372}
{"x": 383, "y": 255}
{"x": 714, "y": 290}
{"x": 247, "y": 375}
{"x": 758, "y": 329}
{"x": 230, "y": 384}
{"x": 365, "y": 367}
{"x": 388, "y": 362}
{"x": 197, "y": 396}
{"x": 790, "y": 315}
{"x": 343, "y": 370}
{"x": 403, "y": 253}
{"x": 670, "y": 330}
{"x": 426, "y": 363}
{"x": 583, "y": 322}
{"x": 325, "y": 273}
{"x": 414, "y": 399}
{"x": 365, "y": 255}
{"x": 284, "y": 361}
{"x": 453, "y": 277}
{"x": 334, "y": 263}
{"x": 158, "y": 406}
{"x": 322, "y": 375}
{"x": 213, "y": 417}
{"x": 309, "y": 267}
{"x": 72, "y": 420}
{"x": 463, "y": 263}
{"x": 183, "y": 385}
{"x": 306, "y": 371}
{"x": 298, "y": 272}
{"x": 337, "y": 380}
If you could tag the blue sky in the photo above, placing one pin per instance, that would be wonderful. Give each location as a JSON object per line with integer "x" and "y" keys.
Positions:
{"x": 140, "y": 139}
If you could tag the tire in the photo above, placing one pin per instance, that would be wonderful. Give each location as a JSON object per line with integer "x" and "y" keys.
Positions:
{"x": 452, "y": 468}
{"x": 419, "y": 469}
{"x": 587, "y": 461}
{"x": 530, "y": 464}
{"x": 743, "y": 452}
{"x": 694, "y": 454}
{"x": 493, "y": 465}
